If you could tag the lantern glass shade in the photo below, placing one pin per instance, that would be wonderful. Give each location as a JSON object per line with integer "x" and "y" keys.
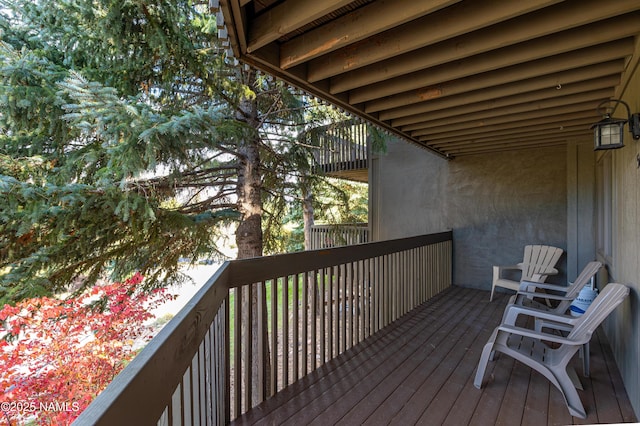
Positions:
{"x": 608, "y": 133}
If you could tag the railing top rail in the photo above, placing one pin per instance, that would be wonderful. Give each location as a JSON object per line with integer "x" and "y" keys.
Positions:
{"x": 247, "y": 271}
{"x": 340, "y": 225}
{"x": 336, "y": 125}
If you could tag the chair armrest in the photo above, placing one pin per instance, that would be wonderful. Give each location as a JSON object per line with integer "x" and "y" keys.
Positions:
{"x": 526, "y": 332}
{"x": 550, "y": 271}
{"x": 525, "y": 285}
{"x": 508, "y": 268}
{"x": 543, "y": 295}
{"x": 513, "y": 311}
{"x": 498, "y": 270}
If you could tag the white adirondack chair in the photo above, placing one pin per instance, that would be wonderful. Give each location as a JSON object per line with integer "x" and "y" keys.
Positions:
{"x": 564, "y": 296}
{"x": 537, "y": 263}
{"x": 529, "y": 347}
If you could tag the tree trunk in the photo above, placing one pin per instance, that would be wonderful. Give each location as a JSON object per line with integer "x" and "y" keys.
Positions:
{"x": 249, "y": 242}
{"x": 307, "y": 216}
{"x": 249, "y": 231}
{"x": 308, "y": 219}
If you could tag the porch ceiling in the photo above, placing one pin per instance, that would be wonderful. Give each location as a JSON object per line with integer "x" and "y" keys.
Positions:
{"x": 457, "y": 77}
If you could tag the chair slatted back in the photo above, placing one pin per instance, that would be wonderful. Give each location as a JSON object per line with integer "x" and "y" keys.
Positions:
{"x": 609, "y": 298}
{"x": 538, "y": 259}
{"x": 585, "y": 276}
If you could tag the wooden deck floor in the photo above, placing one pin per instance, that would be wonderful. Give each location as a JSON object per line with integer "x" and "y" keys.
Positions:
{"x": 420, "y": 370}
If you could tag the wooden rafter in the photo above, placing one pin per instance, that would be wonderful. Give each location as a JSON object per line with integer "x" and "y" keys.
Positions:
{"x": 455, "y": 76}
{"x": 510, "y": 33}
{"x": 356, "y": 26}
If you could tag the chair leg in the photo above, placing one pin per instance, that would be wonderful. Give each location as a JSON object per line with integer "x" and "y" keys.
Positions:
{"x": 493, "y": 288}
{"x": 568, "y": 390}
{"x": 586, "y": 362}
{"x": 482, "y": 364}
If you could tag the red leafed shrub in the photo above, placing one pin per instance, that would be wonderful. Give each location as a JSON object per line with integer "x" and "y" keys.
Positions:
{"x": 57, "y": 355}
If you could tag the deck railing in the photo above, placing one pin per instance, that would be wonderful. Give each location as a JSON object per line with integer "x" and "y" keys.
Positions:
{"x": 327, "y": 236}
{"x": 341, "y": 146}
{"x": 306, "y": 309}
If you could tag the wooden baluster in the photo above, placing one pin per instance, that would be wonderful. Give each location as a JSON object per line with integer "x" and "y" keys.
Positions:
{"x": 274, "y": 337}
{"x": 336, "y": 305}
{"x": 262, "y": 342}
{"x": 237, "y": 364}
{"x": 285, "y": 331}
{"x": 295, "y": 341}
{"x": 248, "y": 349}
{"x": 323, "y": 315}
{"x": 306, "y": 306}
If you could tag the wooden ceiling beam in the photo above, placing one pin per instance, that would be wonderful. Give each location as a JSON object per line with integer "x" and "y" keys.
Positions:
{"x": 458, "y": 19}
{"x": 511, "y": 75}
{"x": 287, "y": 17}
{"x": 473, "y": 90}
{"x": 549, "y": 92}
{"x": 520, "y": 142}
{"x": 429, "y": 89}
{"x": 453, "y": 125}
{"x": 589, "y": 113}
{"x": 357, "y": 25}
{"x": 548, "y": 46}
{"x": 455, "y": 115}
{"x": 507, "y": 147}
{"x": 534, "y": 25}
{"x": 566, "y": 123}
{"x": 538, "y": 134}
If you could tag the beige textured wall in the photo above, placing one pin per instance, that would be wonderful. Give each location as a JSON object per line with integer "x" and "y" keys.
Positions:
{"x": 411, "y": 200}
{"x": 498, "y": 203}
{"x": 623, "y": 326}
{"x": 495, "y": 204}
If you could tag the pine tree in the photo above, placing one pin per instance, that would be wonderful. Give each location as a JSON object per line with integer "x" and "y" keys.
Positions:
{"x": 128, "y": 140}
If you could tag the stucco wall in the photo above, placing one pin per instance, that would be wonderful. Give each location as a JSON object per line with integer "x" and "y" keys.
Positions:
{"x": 623, "y": 326}
{"x": 495, "y": 204}
{"x": 421, "y": 178}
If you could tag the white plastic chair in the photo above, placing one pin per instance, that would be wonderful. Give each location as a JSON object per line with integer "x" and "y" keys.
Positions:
{"x": 529, "y": 347}
{"x": 537, "y": 263}
{"x": 527, "y": 294}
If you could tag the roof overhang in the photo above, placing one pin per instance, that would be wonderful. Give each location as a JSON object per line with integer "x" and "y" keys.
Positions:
{"x": 457, "y": 77}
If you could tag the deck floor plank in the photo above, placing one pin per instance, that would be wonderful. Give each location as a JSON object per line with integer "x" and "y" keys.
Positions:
{"x": 411, "y": 334}
{"x": 464, "y": 407}
{"x": 318, "y": 382}
{"x": 536, "y": 405}
{"x": 433, "y": 354}
{"x": 383, "y": 378}
{"x": 400, "y": 379}
{"x": 420, "y": 370}
{"x": 607, "y": 407}
{"x": 616, "y": 379}
{"x": 558, "y": 414}
{"x": 434, "y": 392}
{"x": 587, "y": 395}
{"x": 477, "y": 333}
{"x": 325, "y": 378}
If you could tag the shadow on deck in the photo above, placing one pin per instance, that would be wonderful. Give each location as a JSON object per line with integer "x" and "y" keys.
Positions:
{"x": 420, "y": 370}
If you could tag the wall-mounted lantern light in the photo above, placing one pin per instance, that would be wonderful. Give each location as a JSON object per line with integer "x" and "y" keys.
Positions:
{"x": 609, "y": 132}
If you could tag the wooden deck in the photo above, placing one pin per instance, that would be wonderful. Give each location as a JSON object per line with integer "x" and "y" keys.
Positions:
{"x": 420, "y": 370}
